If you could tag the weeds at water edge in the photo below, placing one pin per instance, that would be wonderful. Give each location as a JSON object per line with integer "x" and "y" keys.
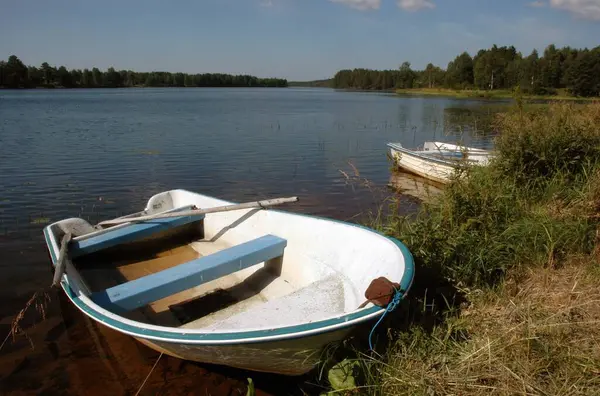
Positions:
{"x": 512, "y": 250}
{"x": 39, "y": 300}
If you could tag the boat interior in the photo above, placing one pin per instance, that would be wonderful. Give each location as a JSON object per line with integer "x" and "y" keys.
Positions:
{"x": 450, "y": 153}
{"x": 454, "y": 152}
{"x": 179, "y": 272}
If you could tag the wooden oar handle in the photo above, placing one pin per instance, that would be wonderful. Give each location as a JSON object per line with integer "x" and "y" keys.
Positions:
{"x": 256, "y": 204}
{"x": 61, "y": 262}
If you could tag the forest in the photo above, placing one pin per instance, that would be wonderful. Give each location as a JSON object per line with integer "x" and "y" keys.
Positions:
{"x": 576, "y": 71}
{"x": 14, "y": 74}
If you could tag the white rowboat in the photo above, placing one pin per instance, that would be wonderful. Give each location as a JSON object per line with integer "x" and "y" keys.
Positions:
{"x": 257, "y": 289}
{"x": 437, "y": 161}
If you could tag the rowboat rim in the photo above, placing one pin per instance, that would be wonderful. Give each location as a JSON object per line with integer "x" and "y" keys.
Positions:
{"x": 416, "y": 154}
{"x": 197, "y": 336}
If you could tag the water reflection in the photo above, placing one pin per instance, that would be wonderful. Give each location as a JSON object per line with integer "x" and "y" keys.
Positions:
{"x": 414, "y": 186}
{"x": 472, "y": 125}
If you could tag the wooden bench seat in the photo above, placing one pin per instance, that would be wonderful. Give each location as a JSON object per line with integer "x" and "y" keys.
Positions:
{"x": 145, "y": 290}
{"x": 128, "y": 233}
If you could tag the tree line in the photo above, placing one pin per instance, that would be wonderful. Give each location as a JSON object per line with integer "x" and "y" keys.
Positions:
{"x": 14, "y": 74}
{"x": 574, "y": 70}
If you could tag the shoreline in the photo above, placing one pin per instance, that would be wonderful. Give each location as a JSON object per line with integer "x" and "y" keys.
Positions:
{"x": 477, "y": 94}
{"x": 136, "y": 86}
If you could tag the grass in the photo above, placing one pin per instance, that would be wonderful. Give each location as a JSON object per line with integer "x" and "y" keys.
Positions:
{"x": 537, "y": 336}
{"x": 485, "y": 94}
{"x": 505, "y": 299}
{"x": 534, "y": 203}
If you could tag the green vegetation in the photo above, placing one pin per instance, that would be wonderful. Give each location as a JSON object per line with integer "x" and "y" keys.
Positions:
{"x": 501, "y": 217}
{"x": 505, "y": 299}
{"x": 575, "y": 71}
{"x": 14, "y": 74}
{"x": 314, "y": 84}
{"x": 561, "y": 94}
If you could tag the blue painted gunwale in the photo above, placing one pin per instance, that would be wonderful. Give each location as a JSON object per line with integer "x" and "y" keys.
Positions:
{"x": 147, "y": 289}
{"x": 184, "y": 336}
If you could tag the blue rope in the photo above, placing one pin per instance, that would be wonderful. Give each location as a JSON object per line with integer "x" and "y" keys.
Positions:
{"x": 391, "y": 306}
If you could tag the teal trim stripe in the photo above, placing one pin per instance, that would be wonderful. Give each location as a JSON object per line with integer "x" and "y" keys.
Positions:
{"x": 290, "y": 331}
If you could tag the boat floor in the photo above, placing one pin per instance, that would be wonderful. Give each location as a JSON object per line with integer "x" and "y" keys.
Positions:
{"x": 255, "y": 297}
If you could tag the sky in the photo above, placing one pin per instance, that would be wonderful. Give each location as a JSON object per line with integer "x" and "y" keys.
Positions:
{"x": 293, "y": 39}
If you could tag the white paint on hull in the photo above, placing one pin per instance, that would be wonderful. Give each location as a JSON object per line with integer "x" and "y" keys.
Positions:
{"x": 434, "y": 170}
{"x": 321, "y": 280}
{"x": 288, "y": 357}
{"x": 434, "y": 167}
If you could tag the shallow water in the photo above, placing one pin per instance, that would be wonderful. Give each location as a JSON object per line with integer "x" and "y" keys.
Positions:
{"x": 101, "y": 153}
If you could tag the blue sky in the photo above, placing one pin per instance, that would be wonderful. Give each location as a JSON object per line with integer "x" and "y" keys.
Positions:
{"x": 294, "y": 39}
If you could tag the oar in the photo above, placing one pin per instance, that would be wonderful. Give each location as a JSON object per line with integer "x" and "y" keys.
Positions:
{"x": 255, "y": 204}
{"x": 62, "y": 259}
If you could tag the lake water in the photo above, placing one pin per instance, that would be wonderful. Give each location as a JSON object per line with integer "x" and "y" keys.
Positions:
{"x": 100, "y": 153}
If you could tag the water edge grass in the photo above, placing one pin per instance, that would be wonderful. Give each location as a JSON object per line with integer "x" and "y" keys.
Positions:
{"x": 486, "y": 94}
{"x": 505, "y": 299}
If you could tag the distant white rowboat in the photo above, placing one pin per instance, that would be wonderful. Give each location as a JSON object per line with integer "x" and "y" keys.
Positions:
{"x": 437, "y": 161}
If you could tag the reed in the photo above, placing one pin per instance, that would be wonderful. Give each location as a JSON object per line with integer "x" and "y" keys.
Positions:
{"x": 39, "y": 300}
{"x": 148, "y": 375}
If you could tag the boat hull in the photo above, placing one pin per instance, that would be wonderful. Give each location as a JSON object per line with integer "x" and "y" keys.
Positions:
{"x": 429, "y": 168}
{"x": 286, "y": 357}
{"x": 268, "y": 344}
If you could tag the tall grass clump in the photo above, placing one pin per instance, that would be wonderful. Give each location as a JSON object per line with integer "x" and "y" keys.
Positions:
{"x": 518, "y": 241}
{"x": 532, "y": 205}
{"x": 541, "y": 144}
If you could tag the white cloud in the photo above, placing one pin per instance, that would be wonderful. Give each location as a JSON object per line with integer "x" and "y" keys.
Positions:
{"x": 266, "y": 3}
{"x": 362, "y": 5}
{"x": 415, "y": 5}
{"x": 408, "y": 5}
{"x": 588, "y": 9}
{"x": 537, "y": 4}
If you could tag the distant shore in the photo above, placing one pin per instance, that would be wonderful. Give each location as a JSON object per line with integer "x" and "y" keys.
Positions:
{"x": 313, "y": 84}
{"x": 139, "y": 86}
{"x": 562, "y": 95}
{"x": 14, "y": 74}
{"x": 497, "y": 94}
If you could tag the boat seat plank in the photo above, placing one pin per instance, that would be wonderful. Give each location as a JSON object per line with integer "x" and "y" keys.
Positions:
{"x": 150, "y": 288}
{"x": 129, "y": 233}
